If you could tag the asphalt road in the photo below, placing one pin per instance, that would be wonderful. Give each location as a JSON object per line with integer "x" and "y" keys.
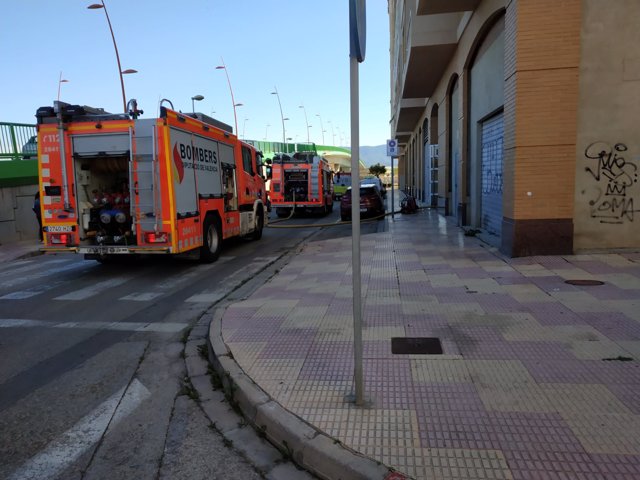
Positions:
{"x": 92, "y": 376}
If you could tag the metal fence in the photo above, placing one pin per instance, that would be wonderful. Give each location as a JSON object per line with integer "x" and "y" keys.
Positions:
{"x": 18, "y": 141}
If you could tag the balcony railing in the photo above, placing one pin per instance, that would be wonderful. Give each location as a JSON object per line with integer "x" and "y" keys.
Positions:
{"x": 18, "y": 141}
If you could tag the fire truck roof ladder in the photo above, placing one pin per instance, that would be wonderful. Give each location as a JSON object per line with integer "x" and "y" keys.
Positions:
{"x": 144, "y": 174}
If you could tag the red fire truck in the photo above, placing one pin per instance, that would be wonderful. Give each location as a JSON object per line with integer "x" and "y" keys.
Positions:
{"x": 301, "y": 181}
{"x": 115, "y": 184}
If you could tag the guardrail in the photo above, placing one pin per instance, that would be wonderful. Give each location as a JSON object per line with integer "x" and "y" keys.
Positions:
{"x": 18, "y": 141}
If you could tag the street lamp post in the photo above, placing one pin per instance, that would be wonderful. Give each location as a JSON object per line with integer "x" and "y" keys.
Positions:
{"x": 333, "y": 135}
{"x": 194, "y": 99}
{"x": 321, "y": 127}
{"x": 306, "y": 121}
{"x": 244, "y": 125}
{"x": 233, "y": 102}
{"x": 60, "y": 82}
{"x": 121, "y": 72}
{"x": 275, "y": 92}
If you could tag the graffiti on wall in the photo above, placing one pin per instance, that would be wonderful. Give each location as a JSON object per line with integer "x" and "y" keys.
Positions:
{"x": 492, "y": 181}
{"x": 615, "y": 177}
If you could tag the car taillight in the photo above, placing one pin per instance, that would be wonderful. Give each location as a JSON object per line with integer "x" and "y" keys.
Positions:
{"x": 156, "y": 237}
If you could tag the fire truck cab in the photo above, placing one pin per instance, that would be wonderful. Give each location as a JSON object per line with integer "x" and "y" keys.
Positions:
{"x": 114, "y": 184}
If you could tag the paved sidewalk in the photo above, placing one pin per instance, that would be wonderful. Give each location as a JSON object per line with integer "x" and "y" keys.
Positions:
{"x": 535, "y": 380}
{"x": 15, "y": 250}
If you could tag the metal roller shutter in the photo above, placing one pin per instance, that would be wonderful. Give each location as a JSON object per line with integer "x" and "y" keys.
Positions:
{"x": 492, "y": 167}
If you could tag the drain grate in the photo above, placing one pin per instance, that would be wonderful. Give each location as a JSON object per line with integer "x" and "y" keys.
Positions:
{"x": 584, "y": 283}
{"x": 416, "y": 345}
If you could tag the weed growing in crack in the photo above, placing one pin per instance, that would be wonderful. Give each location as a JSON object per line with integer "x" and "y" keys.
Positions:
{"x": 203, "y": 350}
{"x": 185, "y": 335}
{"x": 214, "y": 378}
{"x": 242, "y": 423}
{"x": 188, "y": 390}
{"x": 288, "y": 452}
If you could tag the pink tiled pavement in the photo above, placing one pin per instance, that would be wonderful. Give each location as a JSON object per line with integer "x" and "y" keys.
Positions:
{"x": 538, "y": 379}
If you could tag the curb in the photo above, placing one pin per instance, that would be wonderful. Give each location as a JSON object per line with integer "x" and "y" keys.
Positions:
{"x": 303, "y": 443}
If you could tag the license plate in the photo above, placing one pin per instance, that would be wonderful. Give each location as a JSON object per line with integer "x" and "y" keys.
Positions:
{"x": 363, "y": 210}
{"x": 105, "y": 250}
{"x": 59, "y": 228}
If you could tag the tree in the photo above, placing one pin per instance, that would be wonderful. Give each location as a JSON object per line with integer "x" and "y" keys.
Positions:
{"x": 377, "y": 170}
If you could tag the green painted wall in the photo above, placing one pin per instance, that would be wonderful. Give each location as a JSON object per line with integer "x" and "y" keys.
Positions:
{"x": 18, "y": 172}
{"x": 15, "y": 170}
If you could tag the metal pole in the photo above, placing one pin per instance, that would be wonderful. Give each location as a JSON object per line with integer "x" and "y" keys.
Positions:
{"x": 306, "y": 122}
{"x": 233, "y": 102}
{"x": 63, "y": 161}
{"x": 115, "y": 47}
{"x": 60, "y": 82}
{"x": 284, "y": 141}
{"x": 355, "y": 233}
{"x": 393, "y": 193}
{"x": 321, "y": 127}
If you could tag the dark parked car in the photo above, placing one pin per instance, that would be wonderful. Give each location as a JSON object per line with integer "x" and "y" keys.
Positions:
{"x": 30, "y": 149}
{"x": 371, "y": 203}
{"x": 377, "y": 182}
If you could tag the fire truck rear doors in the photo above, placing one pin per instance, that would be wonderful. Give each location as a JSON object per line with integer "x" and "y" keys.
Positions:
{"x": 100, "y": 162}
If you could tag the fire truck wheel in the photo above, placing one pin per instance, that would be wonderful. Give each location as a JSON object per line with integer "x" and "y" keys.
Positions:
{"x": 257, "y": 233}
{"x": 212, "y": 240}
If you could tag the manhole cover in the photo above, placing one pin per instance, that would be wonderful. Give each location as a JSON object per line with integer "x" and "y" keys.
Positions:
{"x": 416, "y": 345}
{"x": 584, "y": 283}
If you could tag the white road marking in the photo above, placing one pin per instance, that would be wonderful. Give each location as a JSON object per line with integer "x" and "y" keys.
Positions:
{"x": 209, "y": 297}
{"x": 94, "y": 289}
{"x": 232, "y": 281}
{"x": 162, "y": 287}
{"x": 33, "y": 291}
{"x": 141, "y": 296}
{"x": 13, "y": 277}
{"x": 115, "y": 326}
{"x": 19, "y": 322}
{"x": 60, "y": 453}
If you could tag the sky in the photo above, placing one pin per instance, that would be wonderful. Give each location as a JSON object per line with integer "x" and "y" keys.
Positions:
{"x": 300, "y": 47}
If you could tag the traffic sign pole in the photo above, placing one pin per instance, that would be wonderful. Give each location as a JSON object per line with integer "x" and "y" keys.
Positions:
{"x": 392, "y": 151}
{"x": 356, "y": 54}
{"x": 393, "y": 193}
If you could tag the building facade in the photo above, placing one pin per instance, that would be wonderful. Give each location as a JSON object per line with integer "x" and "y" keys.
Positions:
{"x": 521, "y": 118}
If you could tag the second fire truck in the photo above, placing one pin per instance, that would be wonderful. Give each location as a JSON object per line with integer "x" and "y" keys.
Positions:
{"x": 301, "y": 182}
